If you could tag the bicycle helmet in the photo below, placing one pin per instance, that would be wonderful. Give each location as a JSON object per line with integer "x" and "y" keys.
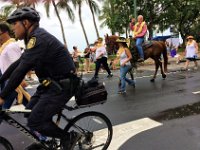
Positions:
{"x": 24, "y": 13}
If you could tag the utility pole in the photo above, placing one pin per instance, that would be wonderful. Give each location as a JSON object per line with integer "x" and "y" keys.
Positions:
{"x": 135, "y": 8}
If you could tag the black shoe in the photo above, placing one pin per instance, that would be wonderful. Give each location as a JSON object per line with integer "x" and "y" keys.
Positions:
{"x": 140, "y": 60}
{"x": 69, "y": 142}
{"x": 35, "y": 146}
{"x": 110, "y": 75}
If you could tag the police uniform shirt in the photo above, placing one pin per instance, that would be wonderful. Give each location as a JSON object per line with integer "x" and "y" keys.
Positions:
{"x": 45, "y": 54}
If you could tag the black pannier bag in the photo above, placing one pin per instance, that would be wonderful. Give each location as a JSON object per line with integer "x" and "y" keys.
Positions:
{"x": 90, "y": 93}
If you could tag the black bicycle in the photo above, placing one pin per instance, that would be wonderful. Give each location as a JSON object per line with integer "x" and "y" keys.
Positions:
{"x": 95, "y": 129}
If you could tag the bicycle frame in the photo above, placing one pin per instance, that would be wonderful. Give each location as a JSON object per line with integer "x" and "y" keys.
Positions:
{"x": 23, "y": 129}
{"x": 53, "y": 143}
{"x": 11, "y": 121}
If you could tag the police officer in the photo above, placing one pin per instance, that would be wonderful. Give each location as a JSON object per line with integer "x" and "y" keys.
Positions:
{"x": 52, "y": 63}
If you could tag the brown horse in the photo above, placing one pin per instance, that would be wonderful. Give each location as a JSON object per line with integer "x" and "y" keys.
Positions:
{"x": 154, "y": 51}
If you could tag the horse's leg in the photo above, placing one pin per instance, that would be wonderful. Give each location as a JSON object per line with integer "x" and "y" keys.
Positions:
{"x": 119, "y": 84}
{"x": 130, "y": 72}
{"x": 157, "y": 63}
{"x": 162, "y": 71}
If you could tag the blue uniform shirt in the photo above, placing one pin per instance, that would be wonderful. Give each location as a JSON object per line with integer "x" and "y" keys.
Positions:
{"x": 45, "y": 54}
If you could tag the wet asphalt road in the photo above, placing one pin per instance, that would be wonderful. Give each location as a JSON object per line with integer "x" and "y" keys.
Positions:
{"x": 146, "y": 100}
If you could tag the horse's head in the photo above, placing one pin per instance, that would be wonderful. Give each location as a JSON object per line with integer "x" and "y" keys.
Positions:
{"x": 111, "y": 44}
{"x": 107, "y": 40}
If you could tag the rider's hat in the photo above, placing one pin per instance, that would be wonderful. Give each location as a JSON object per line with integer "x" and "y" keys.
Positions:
{"x": 24, "y": 13}
{"x": 121, "y": 40}
{"x": 190, "y": 37}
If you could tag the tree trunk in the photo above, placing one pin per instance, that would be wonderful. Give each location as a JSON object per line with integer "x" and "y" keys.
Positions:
{"x": 79, "y": 12}
{"x": 94, "y": 21}
{"x": 61, "y": 24}
{"x": 126, "y": 32}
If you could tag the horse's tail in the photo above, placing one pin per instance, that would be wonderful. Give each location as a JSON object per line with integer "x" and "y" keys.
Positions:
{"x": 165, "y": 56}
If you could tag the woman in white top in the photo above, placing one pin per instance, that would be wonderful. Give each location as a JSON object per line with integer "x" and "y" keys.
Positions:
{"x": 101, "y": 58}
{"x": 191, "y": 51}
{"x": 124, "y": 56}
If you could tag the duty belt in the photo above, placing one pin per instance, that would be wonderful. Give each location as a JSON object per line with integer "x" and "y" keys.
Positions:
{"x": 61, "y": 84}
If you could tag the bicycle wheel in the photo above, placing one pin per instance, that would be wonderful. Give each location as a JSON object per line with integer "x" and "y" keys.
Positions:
{"x": 5, "y": 144}
{"x": 95, "y": 128}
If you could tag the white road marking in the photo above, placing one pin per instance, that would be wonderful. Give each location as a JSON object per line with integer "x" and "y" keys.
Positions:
{"x": 123, "y": 132}
{"x": 197, "y": 92}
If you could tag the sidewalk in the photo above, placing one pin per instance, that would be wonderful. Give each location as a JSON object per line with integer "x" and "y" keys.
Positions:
{"x": 172, "y": 65}
{"x": 147, "y": 65}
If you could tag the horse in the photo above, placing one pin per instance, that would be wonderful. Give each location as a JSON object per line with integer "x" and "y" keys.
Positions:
{"x": 154, "y": 51}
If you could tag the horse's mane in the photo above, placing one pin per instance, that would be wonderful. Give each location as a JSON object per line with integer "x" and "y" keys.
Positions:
{"x": 111, "y": 37}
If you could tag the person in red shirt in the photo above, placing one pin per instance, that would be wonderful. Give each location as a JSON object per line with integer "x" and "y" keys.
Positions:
{"x": 139, "y": 31}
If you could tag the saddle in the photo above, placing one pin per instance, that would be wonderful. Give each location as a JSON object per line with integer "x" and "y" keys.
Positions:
{"x": 146, "y": 44}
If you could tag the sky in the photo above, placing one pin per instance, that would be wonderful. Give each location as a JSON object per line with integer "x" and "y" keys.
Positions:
{"x": 73, "y": 31}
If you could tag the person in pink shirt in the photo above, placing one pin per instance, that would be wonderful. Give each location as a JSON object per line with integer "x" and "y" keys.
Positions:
{"x": 139, "y": 31}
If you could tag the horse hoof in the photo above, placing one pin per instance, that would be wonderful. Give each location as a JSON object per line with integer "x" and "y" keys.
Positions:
{"x": 152, "y": 80}
{"x": 164, "y": 76}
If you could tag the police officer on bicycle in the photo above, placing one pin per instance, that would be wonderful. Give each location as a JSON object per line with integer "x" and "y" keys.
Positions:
{"x": 52, "y": 64}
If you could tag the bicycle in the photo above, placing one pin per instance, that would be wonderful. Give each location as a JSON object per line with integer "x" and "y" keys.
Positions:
{"x": 95, "y": 129}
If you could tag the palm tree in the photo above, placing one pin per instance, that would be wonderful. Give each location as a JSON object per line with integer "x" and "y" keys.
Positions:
{"x": 47, "y": 6}
{"x": 94, "y": 8}
{"x": 64, "y": 4}
{"x": 5, "y": 11}
{"x": 20, "y": 3}
{"x": 108, "y": 15}
{"x": 61, "y": 4}
{"x": 79, "y": 4}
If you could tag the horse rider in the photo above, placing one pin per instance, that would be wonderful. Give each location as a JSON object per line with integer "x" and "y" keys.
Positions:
{"x": 139, "y": 30}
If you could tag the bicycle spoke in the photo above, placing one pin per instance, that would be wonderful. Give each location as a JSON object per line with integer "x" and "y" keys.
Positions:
{"x": 95, "y": 129}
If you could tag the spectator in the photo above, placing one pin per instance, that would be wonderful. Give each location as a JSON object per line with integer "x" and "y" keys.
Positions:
{"x": 76, "y": 57}
{"x": 168, "y": 47}
{"x": 191, "y": 52}
{"x": 9, "y": 53}
{"x": 87, "y": 53}
{"x": 93, "y": 52}
{"x": 112, "y": 65}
